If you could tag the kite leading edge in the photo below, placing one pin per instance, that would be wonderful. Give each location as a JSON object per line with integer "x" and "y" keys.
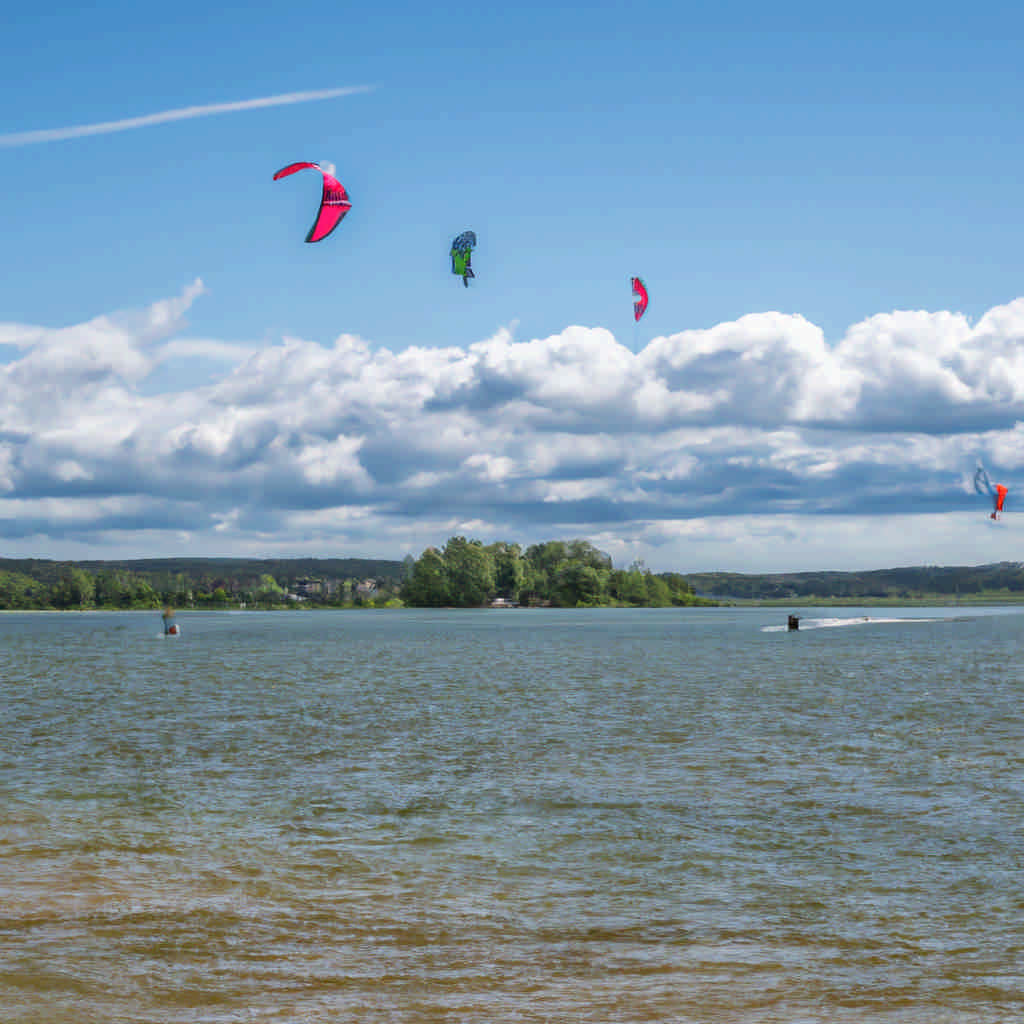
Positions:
{"x": 334, "y": 202}
{"x": 639, "y": 298}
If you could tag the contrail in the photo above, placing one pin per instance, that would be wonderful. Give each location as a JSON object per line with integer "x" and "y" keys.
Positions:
{"x": 182, "y": 114}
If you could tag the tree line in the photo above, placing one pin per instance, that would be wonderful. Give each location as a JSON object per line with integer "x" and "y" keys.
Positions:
{"x": 465, "y": 573}
{"x": 235, "y": 573}
{"x": 76, "y": 588}
{"x": 910, "y": 583}
{"x": 564, "y": 574}
{"x": 69, "y": 585}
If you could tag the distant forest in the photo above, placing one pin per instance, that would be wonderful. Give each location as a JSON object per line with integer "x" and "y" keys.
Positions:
{"x": 1002, "y": 581}
{"x": 464, "y": 573}
{"x": 468, "y": 573}
{"x": 198, "y": 582}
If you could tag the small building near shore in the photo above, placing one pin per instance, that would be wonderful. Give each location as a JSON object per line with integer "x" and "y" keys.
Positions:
{"x": 308, "y": 586}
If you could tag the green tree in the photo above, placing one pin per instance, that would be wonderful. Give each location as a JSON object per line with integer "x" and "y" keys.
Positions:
{"x": 658, "y": 593}
{"x": 144, "y": 594}
{"x": 575, "y": 583}
{"x": 20, "y": 591}
{"x": 509, "y": 568}
{"x": 535, "y": 587}
{"x": 76, "y": 589}
{"x": 631, "y": 587}
{"x": 428, "y": 586}
{"x": 584, "y": 552}
{"x": 268, "y": 591}
{"x": 122, "y": 589}
{"x": 547, "y": 557}
{"x": 679, "y": 589}
{"x": 470, "y": 571}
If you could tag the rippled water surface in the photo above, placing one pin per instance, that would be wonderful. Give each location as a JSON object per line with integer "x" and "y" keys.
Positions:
{"x": 518, "y": 816}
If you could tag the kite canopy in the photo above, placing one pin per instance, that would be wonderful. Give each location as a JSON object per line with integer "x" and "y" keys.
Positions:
{"x": 334, "y": 203}
{"x": 464, "y": 242}
{"x": 639, "y": 297}
{"x": 984, "y": 487}
{"x": 462, "y": 255}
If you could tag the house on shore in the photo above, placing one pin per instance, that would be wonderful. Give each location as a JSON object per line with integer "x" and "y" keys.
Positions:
{"x": 309, "y": 586}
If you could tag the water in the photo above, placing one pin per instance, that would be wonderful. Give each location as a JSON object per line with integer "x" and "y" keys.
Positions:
{"x": 521, "y": 816}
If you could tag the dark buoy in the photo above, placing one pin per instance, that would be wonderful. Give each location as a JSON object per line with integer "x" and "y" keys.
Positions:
{"x": 170, "y": 626}
{"x": 794, "y": 623}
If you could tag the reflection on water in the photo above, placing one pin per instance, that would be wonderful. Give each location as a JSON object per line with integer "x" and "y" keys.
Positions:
{"x": 635, "y": 815}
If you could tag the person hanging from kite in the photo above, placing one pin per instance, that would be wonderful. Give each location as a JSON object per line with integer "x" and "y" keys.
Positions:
{"x": 334, "y": 201}
{"x": 984, "y": 487}
{"x": 462, "y": 255}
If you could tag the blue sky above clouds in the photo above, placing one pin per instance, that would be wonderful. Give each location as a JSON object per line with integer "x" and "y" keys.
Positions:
{"x": 825, "y": 207}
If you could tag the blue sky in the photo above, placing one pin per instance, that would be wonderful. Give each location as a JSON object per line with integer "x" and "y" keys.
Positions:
{"x": 829, "y": 165}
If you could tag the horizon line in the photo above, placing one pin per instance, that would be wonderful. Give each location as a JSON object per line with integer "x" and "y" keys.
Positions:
{"x": 369, "y": 558}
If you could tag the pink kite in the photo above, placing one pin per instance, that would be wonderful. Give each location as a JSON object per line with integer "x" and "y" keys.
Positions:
{"x": 639, "y": 298}
{"x": 333, "y": 206}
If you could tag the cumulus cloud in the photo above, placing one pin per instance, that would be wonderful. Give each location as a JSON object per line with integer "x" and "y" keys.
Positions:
{"x": 751, "y": 436}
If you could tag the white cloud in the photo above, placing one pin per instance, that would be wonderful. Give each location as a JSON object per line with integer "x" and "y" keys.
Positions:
{"x": 751, "y": 440}
{"x": 334, "y": 461}
{"x": 203, "y": 348}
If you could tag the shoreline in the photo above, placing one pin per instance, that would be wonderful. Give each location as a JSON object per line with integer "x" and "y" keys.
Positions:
{"x": 724, "y": 602}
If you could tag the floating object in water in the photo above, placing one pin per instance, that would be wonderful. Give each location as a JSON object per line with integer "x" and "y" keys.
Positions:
{"x": 793, "y": 624}
{"x": 171, "y": 628}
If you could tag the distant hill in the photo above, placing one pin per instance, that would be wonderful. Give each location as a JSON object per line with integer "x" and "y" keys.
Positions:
{"x": 916, "y": 582}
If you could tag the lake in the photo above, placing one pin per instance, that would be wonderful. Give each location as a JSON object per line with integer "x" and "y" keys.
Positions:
{"x": 620, "y": 815}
